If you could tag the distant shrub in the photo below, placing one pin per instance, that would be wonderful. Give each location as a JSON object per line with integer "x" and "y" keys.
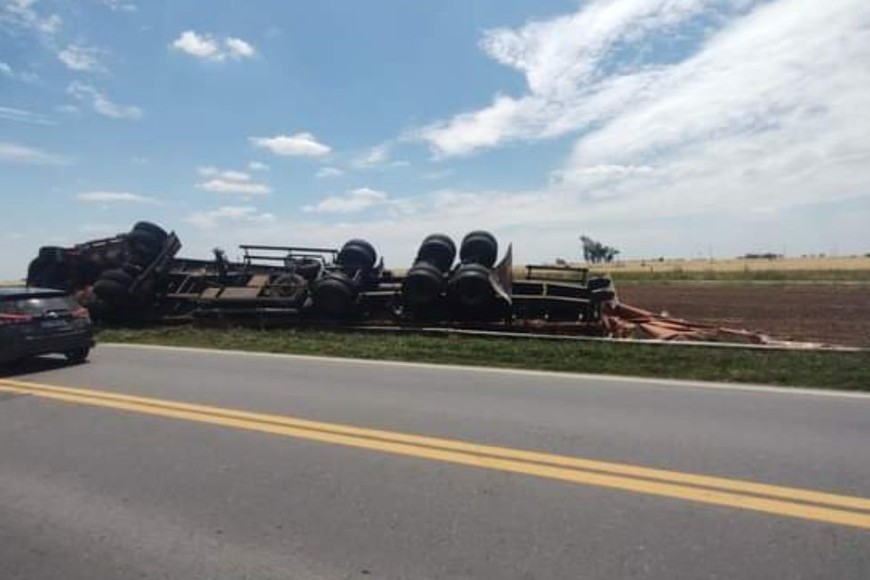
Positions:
{"x": 765, "y": 256}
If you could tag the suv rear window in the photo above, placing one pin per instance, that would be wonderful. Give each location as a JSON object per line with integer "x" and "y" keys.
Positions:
{"x": 37, "y": 305}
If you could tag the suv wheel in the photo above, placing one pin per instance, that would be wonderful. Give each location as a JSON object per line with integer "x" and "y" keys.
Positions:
{"x": 77, "y": 355}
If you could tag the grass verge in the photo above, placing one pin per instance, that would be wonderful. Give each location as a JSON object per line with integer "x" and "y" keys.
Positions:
{"x": 836, "y": 370}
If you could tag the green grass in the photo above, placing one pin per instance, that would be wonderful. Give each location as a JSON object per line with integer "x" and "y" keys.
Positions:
{"x": 838, "y": 370}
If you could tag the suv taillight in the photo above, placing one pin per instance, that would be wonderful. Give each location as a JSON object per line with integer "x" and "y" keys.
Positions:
{"x": 8, "y": 319}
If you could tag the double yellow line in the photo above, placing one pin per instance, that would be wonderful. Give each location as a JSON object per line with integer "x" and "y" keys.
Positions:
{"x": 732, "y": 493}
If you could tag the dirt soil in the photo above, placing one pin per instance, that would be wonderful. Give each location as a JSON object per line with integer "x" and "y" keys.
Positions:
{"x": 819, "y": 313}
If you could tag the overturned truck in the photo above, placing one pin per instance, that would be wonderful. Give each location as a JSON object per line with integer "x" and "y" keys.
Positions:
{"x": 137, "y": 277}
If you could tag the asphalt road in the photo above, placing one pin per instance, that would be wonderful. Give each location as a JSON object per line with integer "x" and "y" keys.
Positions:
{"x": 95, "y": 485}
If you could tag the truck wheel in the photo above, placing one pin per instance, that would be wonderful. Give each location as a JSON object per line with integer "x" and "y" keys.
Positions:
{"x": 423, "y": 284}
{"x": 598, "y": 283}
{"x": 479, "y": 247}
{"x": 357, "y": 255}
{"x": 293, "y": 287}
{"x": 119, "y": 276}
{"x": 438, "y": 250}
{"x": 152, "y": 229}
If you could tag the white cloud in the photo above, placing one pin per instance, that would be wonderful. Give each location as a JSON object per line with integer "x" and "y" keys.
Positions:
{"x": 580, "y": 69}
{"x": 80, "y": 58}
{"x": 22, "y": 116}
{"x": 193, "y": 44}
{"x": 6, "y": 70}
{"x": 209, "y": 47}
{"x": 257, "y": 166}
{"x": 229, "y": 181}
{"x": 119, "y": 5}
{"x": 297, "y": 145}
{"x": 757, "y": 113}
{"x": 354, "y": 201}
{"x": 328, "y": 172}
{"x": 238, "y": 48}
{"x": 377, "y": 155}
{"x": 113, "y": 197}
{"x": 20, "y": 14}
{"x": 101, "y": 103}
{"x": 749, "y": 137}
{"x": 22, "y": 154}
{"x": 210, "y": 219}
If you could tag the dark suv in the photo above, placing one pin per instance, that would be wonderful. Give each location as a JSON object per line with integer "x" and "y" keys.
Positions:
{"x": 35, "y": 321}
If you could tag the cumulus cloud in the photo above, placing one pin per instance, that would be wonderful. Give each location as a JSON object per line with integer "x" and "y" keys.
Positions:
{"x": 6, "y": 69}
{"x": 354, "y": 201}
{"x": 80, "y": 58}
{"x": 257, "y": 166}
{"x": 580, "y": 69}
{"x": 747, "y": 135}
{"x": 753, "y": 113}
{"x": 113, "y": 197}
{"x": 238, "y": 48}
{"x": 100, "y": 103}
{"x": 230, "y": 181}
{"x": 296, "y": 145}
{"x": 211, "y": 219}
{"x": 328, "y": 172}
{"x": 207, "y": 46}
{"x": 22, "y": 154}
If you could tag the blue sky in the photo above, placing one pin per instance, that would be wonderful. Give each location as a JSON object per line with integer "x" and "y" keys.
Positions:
{"x": 663, "y": 127}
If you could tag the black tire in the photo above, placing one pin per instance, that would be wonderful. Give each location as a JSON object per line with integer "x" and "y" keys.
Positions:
{"x": 51, "y": 253}
{"x": 77, "y": 355}
{"x": 479, "y": 247}
{"x": 438, "y": 250}
{"x": 470, "y": 286}
{"x": 144, "y": 245}
{"x": 309, "y": 269}
{"x": 600, "y": 296}
{"x": 422, "y": 285}
{"x": 118, "y": 276}
{"x": 113, "y": 258}
{"x": 334, "y": 295}
{"x": 152, "y": 229}
{"x": 110, "y": 291}
{"x": 44, "y": 273}
{"x": 293, "y": 287}
{"x": 598, "y": 283}
{"x": 357, "y": 255}
{"x": 97, "y": 260}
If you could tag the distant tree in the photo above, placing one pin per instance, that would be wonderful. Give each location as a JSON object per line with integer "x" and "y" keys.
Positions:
{"x": 595, "y": 252}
